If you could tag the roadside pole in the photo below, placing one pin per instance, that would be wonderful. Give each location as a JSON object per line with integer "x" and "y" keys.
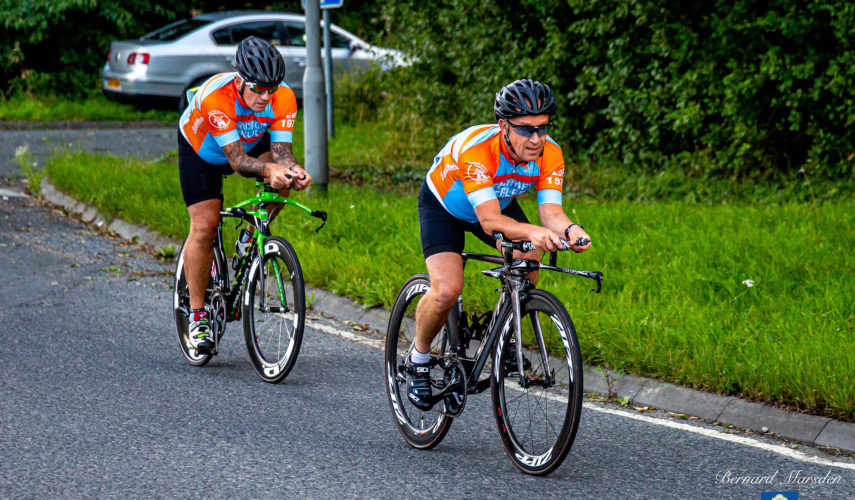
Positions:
{"x": 328, "y": 74}
{"x": 314, "y": 114}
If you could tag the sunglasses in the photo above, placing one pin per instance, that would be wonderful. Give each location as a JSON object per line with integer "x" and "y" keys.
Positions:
{"x": 529, "y": 130}
{"x": 260, "y": 89}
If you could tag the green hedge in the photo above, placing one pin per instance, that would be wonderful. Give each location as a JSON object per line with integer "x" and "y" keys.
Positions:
{"x": 741, "y": 89}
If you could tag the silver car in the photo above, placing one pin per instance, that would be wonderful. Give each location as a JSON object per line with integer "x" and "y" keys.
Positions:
{"x": 163, "y": 64}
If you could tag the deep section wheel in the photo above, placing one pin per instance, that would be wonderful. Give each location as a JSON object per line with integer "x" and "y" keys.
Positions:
{"x": 274, "y": 310}
{"x": 538, "y": 416}
{"x": 421, "y": 429}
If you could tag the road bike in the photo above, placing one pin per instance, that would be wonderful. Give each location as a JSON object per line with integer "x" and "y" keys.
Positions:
{"x": 267, "y": 291}
{"x": 537, "y": 408}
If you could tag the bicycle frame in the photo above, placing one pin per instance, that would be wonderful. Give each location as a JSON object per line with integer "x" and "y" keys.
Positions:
{"x": 260, "y": 220}
{"x": 512, "y": 274}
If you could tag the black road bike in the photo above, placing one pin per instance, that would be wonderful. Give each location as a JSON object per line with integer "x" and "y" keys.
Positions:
{"x": 267, "y": 291}
{"x": 537, "y": 408}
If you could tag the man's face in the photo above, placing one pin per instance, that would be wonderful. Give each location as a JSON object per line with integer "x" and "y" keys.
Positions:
{"x": 256, "y": 102}
{"x": 526, "y": 139}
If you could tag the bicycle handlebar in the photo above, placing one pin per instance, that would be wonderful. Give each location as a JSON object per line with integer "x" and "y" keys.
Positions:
{"x": 528, "y": 246}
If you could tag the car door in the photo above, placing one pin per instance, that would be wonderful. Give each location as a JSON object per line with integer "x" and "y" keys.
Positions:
{"x": 227, "y": 39}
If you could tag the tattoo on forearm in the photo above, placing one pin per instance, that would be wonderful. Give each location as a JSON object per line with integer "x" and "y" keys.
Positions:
{"x": 282, "y": 154}
{"x": 241, "y": 162}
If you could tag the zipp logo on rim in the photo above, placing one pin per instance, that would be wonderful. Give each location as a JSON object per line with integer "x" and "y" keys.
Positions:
{"x": 532, "y": 461}
{"x": 420, "y": 288}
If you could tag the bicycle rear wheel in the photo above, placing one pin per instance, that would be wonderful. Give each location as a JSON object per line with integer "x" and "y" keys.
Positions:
{"x": 181, "y": 306}
{"x": 421, "y": 429}
{"x": 538, "y": 423}
{"x": 274, "y": 314}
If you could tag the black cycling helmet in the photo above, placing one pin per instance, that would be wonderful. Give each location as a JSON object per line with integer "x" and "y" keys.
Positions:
{"x": 524, "y": 97}
{"x": 259, "y": 62}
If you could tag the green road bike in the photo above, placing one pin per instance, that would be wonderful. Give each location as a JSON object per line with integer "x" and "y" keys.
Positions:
{"x": 267, "y": 291}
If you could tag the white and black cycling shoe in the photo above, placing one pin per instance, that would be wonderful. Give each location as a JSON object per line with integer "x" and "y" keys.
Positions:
{"x": 418, "y": 386}
{"x": 200, "y": 335}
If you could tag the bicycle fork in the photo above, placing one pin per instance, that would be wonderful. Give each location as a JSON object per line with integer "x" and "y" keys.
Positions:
{"x": 525, "y": 382}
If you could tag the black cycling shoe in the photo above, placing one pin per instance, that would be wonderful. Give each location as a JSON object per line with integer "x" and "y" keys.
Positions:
{"x": 418, "y": 385}
{"x": 511, "y": 365}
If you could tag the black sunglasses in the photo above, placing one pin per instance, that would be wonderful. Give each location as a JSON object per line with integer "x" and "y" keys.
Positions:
{"x": 529, "y": 130}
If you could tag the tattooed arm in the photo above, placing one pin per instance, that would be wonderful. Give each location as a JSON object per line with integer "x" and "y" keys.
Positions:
{"x": 282, "y": 155}
{"x": 242, "y": 163}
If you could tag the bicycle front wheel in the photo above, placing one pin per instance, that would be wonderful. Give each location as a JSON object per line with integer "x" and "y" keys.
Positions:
{"x": 274, "y": 311}
{"x": 538, "y": 418}
{"x": 421, "y": 429}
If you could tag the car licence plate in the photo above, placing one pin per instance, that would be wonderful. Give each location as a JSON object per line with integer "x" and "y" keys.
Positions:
{"x": 113, "y": 83}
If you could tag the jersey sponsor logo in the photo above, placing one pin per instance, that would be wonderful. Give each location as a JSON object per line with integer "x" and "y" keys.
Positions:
{"x": 511, "y": 187}
{"x": 449, "y": 167}
{"x": 197, "y": 123}
{"x": 251, "y": 129}
{"x": 477, "y": 172}
{"x": 218, "y": 119}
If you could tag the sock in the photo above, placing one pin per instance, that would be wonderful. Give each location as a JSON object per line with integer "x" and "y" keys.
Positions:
{"x": 197, "y": 314}
{"x": 419, "y": 357}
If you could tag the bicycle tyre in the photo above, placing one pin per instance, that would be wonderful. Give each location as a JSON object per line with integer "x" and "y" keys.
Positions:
{"x": 273, "y": 337}
{"x": 181, "y": 303}
{"x": 420, "y": 429}
{"x": 538, "y": 448}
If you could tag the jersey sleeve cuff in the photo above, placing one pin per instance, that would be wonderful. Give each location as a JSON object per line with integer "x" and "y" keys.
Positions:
{"x": 479, "y": 196}
{"x": 548, "y": 196}
{"x": 227, "y": 138}
{"x": 281, "y": 136}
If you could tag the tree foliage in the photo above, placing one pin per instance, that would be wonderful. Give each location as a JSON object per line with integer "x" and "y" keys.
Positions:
{"x": 741, "y": 88}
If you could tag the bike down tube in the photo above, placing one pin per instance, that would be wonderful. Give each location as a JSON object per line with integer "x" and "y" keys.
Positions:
{"x": 489, "y": 341}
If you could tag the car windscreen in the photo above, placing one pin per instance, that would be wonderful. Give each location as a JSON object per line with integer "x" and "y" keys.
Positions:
{"x": 175, "y": 30}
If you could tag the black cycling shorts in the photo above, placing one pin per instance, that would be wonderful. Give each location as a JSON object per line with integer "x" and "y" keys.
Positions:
{"x": 443, "y": 232}
{"x": 200, "y": 180}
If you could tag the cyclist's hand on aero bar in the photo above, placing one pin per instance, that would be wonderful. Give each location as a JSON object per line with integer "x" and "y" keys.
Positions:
{"x": 278, "y": 176}
{"x": 575, "y": 233}
{"x": 300, "y": 178}
{"x": 545, "y": 239}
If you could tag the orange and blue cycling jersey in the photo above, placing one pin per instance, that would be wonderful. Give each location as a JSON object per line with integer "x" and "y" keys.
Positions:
{"x": 473, "y": 167}
{"x": 217, "y": 115}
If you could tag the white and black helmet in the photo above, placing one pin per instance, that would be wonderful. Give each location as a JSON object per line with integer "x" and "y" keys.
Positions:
{"x": 259, "y": 62}
{"x": 522, "y": 98}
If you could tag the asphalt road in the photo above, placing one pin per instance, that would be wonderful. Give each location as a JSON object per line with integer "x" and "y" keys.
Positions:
{"x": 97, "y": 401}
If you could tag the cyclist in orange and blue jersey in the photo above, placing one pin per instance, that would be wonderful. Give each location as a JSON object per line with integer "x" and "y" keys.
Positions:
{"x": 236, "y": 122}
{"x": 472, "y": 187}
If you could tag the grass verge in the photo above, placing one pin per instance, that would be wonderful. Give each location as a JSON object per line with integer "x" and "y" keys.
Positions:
{"x": 752, "y": 300}
{"x": 95, "y": 107}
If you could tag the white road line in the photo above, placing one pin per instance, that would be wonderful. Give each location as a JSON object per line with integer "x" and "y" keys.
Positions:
{"x": 745, "y": 441}
{"x": 779, "y": 449}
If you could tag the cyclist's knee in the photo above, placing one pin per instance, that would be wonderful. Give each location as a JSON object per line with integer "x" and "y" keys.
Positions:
{"x": 447, "y": 291}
